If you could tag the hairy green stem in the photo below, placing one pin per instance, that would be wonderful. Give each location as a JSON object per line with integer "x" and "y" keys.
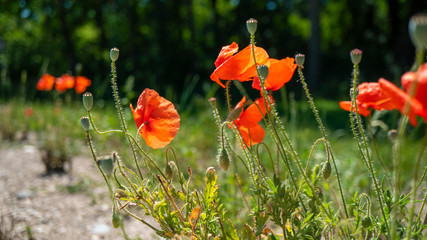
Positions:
{"x": 322, "y": 129}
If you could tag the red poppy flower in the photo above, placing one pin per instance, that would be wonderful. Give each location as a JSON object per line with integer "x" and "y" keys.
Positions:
{"x": 371, "y": 96}
{"x": 248, "y": 121}
{"x": 29, "y": 112}
{"x": 64, "y": 82}
{"x": 404, "y": 103}
{"x": 279, "y": 73}
{"x": 81, "y": 84}
{"x": 240, "y": 66}
{"x": 156, "y": 118}
{"x": 46, "y": 82}
{"x": 346, "y": 105}
{"x": 420, "y": 77}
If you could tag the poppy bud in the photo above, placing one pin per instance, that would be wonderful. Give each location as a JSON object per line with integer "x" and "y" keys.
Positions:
{"x": 116, "y": 219}
{"x": 356, "y": 56}
{"x": 366, "y": 222}
{"x": 300, "y": 59}
{"x": 87, "y": 100}
{"x": 210, "y": 174}
{"x": 326, "y": 170}
{"x": 251, "y": 24}
{"x": 234, "y": 114}
{"x": 392, "y": 134}
{"x": 212, "y": 101}
{"x": 263, "y": 72}
{"x": 168, "y": 172}
{"x": 316, "y": 169}
{"x": 85, "y": 123}
{"x": 223, "y": 159}
{"x": 418, "y": 30}
{"x": 106, "y": 163}
{"x": 114, "y": 54}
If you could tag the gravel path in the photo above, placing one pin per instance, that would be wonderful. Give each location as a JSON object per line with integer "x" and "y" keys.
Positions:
{"x": 65, "y": 207}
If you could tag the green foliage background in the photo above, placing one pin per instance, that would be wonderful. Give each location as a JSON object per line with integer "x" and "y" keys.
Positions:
{"x": 170, "y": 45}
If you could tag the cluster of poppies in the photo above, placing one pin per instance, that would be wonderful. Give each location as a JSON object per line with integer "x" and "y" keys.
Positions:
{"x": 233, "y": 65}
{"x": 79, "y": 83}
{"x": 384, "y": 95}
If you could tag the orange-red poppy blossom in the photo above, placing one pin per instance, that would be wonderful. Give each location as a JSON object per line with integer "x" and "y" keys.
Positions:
{"x": 248, "y": 121}
{"x": 81, "y": 84}
{"x": 279, "y": 73}
{"x": 370, "y": 96}
{"x": 156, "y": 119}
{"x": 406, "y": 104}
{"x": 64, "y": 82}
{"x": 46, "y": 82}
{"x": 239, "y": 66}
{"x": 419, "y": 81}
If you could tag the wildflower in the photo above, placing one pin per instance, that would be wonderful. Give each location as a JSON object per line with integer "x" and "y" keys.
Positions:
{"x": 418, "y": 80}
{"x": 156, "y": 119}
{"x": 370, "y": 96}
{"x": 29, "y": 112}
{"x": 279, "y": 73}
{"x": 248, "y": 121}
{"x": 64, "y": 82}
{"x": 239, "y": 66}
{"x": 406, "y": 104}
{"x": 46, "y": 82}
{"x": 81, "y": 84}
{"x": 346, "y": 105}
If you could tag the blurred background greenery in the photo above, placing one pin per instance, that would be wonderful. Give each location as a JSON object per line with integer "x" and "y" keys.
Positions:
{"x": 170, "y": 45}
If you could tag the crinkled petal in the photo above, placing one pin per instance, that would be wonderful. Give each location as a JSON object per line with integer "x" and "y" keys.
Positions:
{"x": 252, "y": 135}
{"x": 279, "y": 73}
{"x": 346, "y": 105}
{"x": 226, "y": 52}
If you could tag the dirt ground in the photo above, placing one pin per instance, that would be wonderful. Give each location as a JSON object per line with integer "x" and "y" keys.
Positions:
{"x": 65, "y": 207}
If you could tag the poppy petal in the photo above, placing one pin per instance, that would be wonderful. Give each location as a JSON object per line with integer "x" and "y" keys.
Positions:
{"x": 252, "y": 135}
{"x": 346, "y": 105}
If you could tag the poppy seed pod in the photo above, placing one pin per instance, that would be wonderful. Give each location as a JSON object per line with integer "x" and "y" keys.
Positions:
{"x": 356, "y": 56}
{"x": 85, "y": 123}
{"x": 114, "y": 54}
{"x": 252, "y": 24}
{"x": 300, "y": 59}
{"x": 418, "y": 30}
{"x": 212, "y": 101}
{"x": 223, "y": 159}
{"x": 88, "y": 100}
{"x": 263, "y": 72}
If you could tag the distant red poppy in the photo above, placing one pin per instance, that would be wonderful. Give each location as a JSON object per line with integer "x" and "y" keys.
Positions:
{"x": 46, "y": 82}
{"x": 239, "y": 66}
{"x": 156, "y": 118}
{"x": 81, "y": 84}
{"x": 279, "y": 73}
{"x": 29, "y": 112}
{"x": 64, "y": 82}
{"x": 406, "y": 104}
{"x": 248, "y": 121}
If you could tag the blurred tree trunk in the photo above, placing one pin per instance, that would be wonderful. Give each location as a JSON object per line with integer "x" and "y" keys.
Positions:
{"x": 66, "y": 34}
{"x": 314, "y": 45}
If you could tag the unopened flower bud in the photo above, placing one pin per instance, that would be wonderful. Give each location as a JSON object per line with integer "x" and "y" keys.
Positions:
{"x": 168, "y": 172}
{"x": 87, "y": 100}
{"x": 300, "y": 59}
{"x": 316, "y": 169}
{"x": 234, "y": 114}
{"x": 116, "y": 219}
{"x": 366, "y": 222}
{"x": 85, "y": 123}
{"x": 107, "y": 164}
{"x": 252, "y": 24}
{"x": 326, "y": 170}
{"x": 392, "y": 134}
{"x": 418, "y": 30}
{"x": 223, "y": 159}
{"x": 212, "y": 101}
{"x": 356, "y": 56}
{"x": 263, "y": 72}
{"x": 114, "y": 54}
{"x": 210, "y": 174}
